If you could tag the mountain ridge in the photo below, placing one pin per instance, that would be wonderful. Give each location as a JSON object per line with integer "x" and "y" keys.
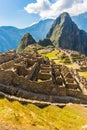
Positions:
{"x": 81, "y": 21}
{"x": 10, "y": 36}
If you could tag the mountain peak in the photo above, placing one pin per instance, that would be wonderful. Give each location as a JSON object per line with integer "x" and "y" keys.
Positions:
{"x": 64, "y": 17}
{"x": 65, "y": 34}
{"x": 65, "y": 14}
{"x": 26, "y": 40}
{"x": 60, "y": 21}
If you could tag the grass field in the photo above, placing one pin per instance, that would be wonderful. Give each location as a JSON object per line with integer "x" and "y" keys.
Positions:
{"x": 84, "y": 74}
{"x": 15, "y": 116}
{"x": 51, "y": 55}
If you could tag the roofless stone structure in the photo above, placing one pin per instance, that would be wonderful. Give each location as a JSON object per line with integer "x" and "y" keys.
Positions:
{"x": 34, "y": 77}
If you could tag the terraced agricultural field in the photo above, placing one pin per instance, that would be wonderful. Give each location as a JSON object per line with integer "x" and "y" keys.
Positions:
{"x": 17, "y": 116}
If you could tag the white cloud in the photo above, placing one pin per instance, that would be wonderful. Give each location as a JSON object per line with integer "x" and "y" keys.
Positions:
{"x": 46, "y": 9}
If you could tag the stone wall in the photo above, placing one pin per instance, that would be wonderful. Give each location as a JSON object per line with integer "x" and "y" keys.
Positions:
{"x": 7, "y": 57}
{"x": 29, "y": 62}
{"x": 69, "y": 80}
{"x": 7, "y": 65}
{"x": 47, "y": 87}
{"x": 62, "y": 91}
{"x": 44, "y": 76}
{"x": 22, "y": 71}
{"x": 12, "y": 79}
{"x": 59, "y": 80}
{"x": 76, "y": 93}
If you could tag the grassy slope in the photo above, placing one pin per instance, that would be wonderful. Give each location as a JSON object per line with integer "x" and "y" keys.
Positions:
{"x": 29, "y": 117}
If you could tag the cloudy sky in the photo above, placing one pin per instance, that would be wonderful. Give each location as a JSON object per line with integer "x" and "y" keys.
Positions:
{"x": 22, "y": 13}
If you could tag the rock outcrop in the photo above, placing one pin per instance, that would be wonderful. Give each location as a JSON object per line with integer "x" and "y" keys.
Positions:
{"x": 45, "y": 42}
{"x": 26, "y": 40}
{"x": 65, "y": 34}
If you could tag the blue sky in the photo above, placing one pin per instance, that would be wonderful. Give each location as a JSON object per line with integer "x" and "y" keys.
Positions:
{"x": 12, "y": 13}
{"x": 23, "y": 13}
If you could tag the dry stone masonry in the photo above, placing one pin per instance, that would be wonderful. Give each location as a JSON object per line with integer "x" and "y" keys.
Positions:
{"x": 33, "y": 77}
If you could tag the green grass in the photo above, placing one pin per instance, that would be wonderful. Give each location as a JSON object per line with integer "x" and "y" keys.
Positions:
{"x": 57, "y": 56}
{"x": 53, "y": 55}
{"x": 28, "y": 116}
{"x": 71, "y": 117}
{"x": 83, "y": 74}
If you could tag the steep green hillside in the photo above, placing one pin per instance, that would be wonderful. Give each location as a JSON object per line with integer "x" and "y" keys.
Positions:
{"x": 15, "y": 116}
{"x": 26, "y": 40}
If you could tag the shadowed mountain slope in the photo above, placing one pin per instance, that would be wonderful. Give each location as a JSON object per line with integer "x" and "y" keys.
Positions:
{"x": 65, "y": 34}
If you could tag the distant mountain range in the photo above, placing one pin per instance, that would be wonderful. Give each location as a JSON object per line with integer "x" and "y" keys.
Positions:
{"x": 11, "y": 36}
{"x": 81, "y": 21}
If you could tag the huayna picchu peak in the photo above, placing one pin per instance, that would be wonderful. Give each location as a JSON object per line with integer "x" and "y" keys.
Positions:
{"x": 65, "y": 33}
{"x": 25, "y": 41}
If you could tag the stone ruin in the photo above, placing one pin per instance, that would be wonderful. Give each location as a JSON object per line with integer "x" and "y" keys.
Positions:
{"x": 34, "y": 77}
